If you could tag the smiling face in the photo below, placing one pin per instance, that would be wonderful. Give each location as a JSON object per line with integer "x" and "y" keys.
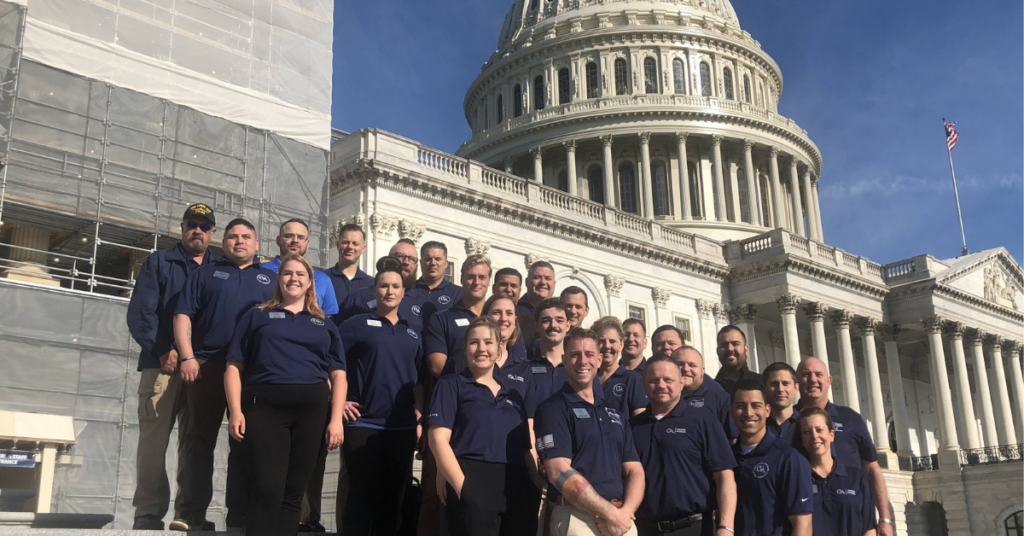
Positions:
{"x": 813, "y": 378}
{"x": 552, "y": 325}
{"x": 434, "y": 263}
{"x": 666, "y": 342}
{"x": 294, "y": 239}
{"x": 732, "y": 350}
{"x": 581, "y": 360}
{"x": 663, "y": 383}
{"x": 635, "y": 341}
{"x": 541, "y": 282}
{"x": 509, "y": 285}
{"x": 294, "y": 280}
{"x": 610, "y": 346}
{"x": 691, "y": 367}
{"x": 475, "y": 280}
{"x": 780, "y": 389}
{"x": 240, "y": 244}
{"x": 750, "y": 412}
{"x": 481, "y": 349}
{"x": 350, "y": 247}
{"x": 503, "y": 312}
{"x": 576, "y": 308}
{"x": 388, "y": 290}
{"x": 816, "y": 436}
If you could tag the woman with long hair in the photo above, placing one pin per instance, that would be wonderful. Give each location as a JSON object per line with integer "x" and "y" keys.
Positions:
{"x": 478, "y": 433}
{"x": 285, "y": 373}
{"x": 384, "y": 353}
{"x": 844, "y": 504}
{"x": 511, "y": 363}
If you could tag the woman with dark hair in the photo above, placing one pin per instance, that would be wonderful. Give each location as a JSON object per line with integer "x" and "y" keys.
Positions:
{"x": 383, "y": 409}
{"x": 478, "y": 433}
{"x": 844, "y": 504}
{"x": 285, "y": 371}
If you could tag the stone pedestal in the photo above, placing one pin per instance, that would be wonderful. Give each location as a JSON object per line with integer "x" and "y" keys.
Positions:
{"x": 26, "y": 265}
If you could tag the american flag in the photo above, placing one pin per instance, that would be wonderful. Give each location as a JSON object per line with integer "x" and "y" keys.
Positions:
{"x": 951, "y": 135}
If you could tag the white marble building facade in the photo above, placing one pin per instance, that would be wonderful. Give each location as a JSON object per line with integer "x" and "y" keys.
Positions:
{"x": 620, "y": 141}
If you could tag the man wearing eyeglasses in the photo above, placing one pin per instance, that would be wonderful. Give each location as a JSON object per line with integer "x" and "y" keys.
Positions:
{"x": 415, "y": 307}
{"x": 161, "y": 398}
{"x": 293, "y": 238}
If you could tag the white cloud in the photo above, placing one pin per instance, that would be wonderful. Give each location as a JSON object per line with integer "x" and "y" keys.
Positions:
{"x": 904, "y": 183}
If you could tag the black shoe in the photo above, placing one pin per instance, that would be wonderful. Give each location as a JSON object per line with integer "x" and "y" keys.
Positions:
{"x": 208, "y": 526}
{"x": 304, "y": 528}
{"x": 148, "y": 523}
{"x": 316, "y": 527}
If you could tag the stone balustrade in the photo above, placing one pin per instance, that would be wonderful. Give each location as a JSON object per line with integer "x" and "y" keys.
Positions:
{"x": 780, "y": 241}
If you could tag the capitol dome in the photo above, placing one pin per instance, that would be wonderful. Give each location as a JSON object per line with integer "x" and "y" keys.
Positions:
{"x": 665, "y": 110}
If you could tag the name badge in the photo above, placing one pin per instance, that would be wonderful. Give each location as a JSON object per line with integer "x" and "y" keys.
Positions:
{"x": 462, "y": 322}
{"x": 815, "y": 488}
{"x": 277, "y": 314}
{"x": 221, "y": 275}
{"x": 581, "y": 413}
{"x": 372, "y": 322}
{"x": 538, "y": 370}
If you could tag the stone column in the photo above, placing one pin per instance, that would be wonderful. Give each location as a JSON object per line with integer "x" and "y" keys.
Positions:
{"x": 753, "y": 206}
{"x": 645, "y": 183}
{"x": 787, "y": 308}
{"x": 812, "y": 213}
{"x": 948, "y": 444}
{"x": 1007, "y": 431}
{"x": 570, "y": 165}
{"x": 777, "y": 207}
{"x": 683, "y": 196}
{"x": 708, "y": 342}
{"x": 815, "y": 312}
{"x": 955, "y": 331}
{"x": 609, "y": 173}
{"x": 1018, "y": 385}
{"x": 867, "y": 327}
{"x": 734, "y": 202}
{"x": 508, "y": 164}
{"x": 27, "y": 265}
{"x": 901, "y": 422}
{"x": 794, "y": 188}
{"x": 743, "y": 316}
{"x": 851, "y": 394}
{"x": 817, "y": 211}
{"x": 975, "y": 340}
{"x": 716, "y": 156}
{"x": 538, "y": 165}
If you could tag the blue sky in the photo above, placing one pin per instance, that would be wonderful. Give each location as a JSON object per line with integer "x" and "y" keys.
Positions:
{"x": 870, "y": 81}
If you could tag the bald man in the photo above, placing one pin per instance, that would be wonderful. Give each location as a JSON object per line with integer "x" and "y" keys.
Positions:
{"x": 700, "y": 391}
{"x": 853, "y": 445}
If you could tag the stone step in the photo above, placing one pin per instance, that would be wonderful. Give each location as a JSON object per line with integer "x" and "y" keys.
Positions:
{"x": 28, "y": 531}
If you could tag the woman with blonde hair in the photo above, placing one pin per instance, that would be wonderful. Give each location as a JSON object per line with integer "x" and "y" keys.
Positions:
{"x": 285, "y": 376}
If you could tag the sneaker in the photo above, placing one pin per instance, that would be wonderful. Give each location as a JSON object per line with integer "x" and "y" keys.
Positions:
{"x": 179, "y": 524}
{"x": 148, "y": 523}
{"x": 186, "y": 525}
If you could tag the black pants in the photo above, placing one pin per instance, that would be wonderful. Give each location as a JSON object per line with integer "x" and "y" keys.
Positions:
{"x": 498, "y": 499}
{"x": 205, "y": 405}
{"x": 311, "y": 506}
{"x": 284, "y": 428}
{"x": 704, "y": 527}
{"x": 379, "y": 464}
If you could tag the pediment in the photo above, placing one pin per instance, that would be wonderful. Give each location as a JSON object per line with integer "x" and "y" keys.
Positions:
{"x": 995, "y": 277}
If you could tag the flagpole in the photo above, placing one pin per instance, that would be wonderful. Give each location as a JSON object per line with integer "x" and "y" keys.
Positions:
{"x": 956, "y": 195}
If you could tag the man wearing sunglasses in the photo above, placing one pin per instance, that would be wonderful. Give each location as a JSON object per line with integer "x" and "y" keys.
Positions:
{"x": 150, "y": 321}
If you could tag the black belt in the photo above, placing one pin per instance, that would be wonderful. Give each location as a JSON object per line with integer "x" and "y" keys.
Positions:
{"x": 682, "y": 523}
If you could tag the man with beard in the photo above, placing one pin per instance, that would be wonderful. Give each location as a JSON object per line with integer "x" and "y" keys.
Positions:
{"x": 623, "y": 389}
{"x": 732, "y": 354}
{"x": 682, "y": 451}
{"x": 634, "y": 344}
{"x": 445, "y": 331}
{"x": 293, "y": 238}
{"x": 440, "y": 293}
{"x": 540, "y": 286}
{"x": 150, "y": 321}
{"x": 576, "y": 305}
{"x": 346, "y": 276}
{"x": 852, "y": 446}
{"x": 780, "y": 390}
{"x": 414, "y": 306}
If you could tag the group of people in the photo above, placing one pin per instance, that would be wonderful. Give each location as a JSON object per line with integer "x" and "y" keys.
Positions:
{"x": 526, "y": 421}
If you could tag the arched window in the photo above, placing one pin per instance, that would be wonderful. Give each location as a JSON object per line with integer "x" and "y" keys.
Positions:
{"x": 746, "y": 89}
{"x": 650, "y": 76}
{"x": 696, "y": 207}
{"x": 1015, "y": 524}
{"x": 766, "y": 207}
{"x": 659, "y": 187}
{"x": 727, "y": 80}
{"x": 563, "y": 181}
{"x": 744, "y": 191}
{"x": 595, "y": 178}
{"x": 705, "y": 79}
{"x": 564, "y": 87}
{"x": 591, "y": 80}
{"x": 517, "y": 96}
{"x": 621, "y": 80}
{"x": 627, "y": 187}
{"x": 538, "y": 92}
{"x": 501, "y": 109}
{"x": 677, "y": 76}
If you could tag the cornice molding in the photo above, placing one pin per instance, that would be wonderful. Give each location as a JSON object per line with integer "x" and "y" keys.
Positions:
{"x": 775, "y": 266}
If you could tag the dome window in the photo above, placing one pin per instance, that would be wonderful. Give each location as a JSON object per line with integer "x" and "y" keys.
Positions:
{"x": 727, "y": 81}
{"x": 621, "y": 81}
{"x": 705, "y": 79}
{"x": 650, "y": 76}
{"x": 595, "y": 184}
{"x": 659, "y": 187}
{"x": 564, "y": 86}
{"x": 746, "y": 89}
{"x": 591, "y": 80}
{"x": 538, "y": 92}
{"x": 677, "y": 76}
{"x": 501, "y": 109}
{"x": 627, "y": 187}
{"x": 517, "y": 96}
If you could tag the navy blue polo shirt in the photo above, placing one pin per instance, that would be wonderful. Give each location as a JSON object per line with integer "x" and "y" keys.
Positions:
{"x": 485, "y": 428}
{"x": 624, "y": 391}
{"x": 280, "y": 347}
{"x": 514, "y": 375}
{"x": 384, "y": 361}
{"x": 343, "y": 286}
{"x": 518, "y": 350}
{"x": 151, "y": 309}
{"x": 526, "y": 315}
{"x": 680, "y": 453}
{"x": 729, "y": 385}
{"x": 412, "y": 308}
{"x": 641, "y": 366}
{"x": 215, "y": 297}
{"x": 542, "y": 380}
{"x": 444, "y": 296}
{"x": 785, "y": 430}
{"x": 772, "y": 483}
{"x": 444, "y": 334}
{"x": 853, "y": 442}
{"x": 712, "y": 398}
{"x": 844, "y": 504}
{"x": 322, "y": 284}
{"x": 596, "y": 439}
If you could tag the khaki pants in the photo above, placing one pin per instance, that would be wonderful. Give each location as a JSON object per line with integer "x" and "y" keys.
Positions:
{"x": 161, "y": 400}
{"x": 571, "y": 521}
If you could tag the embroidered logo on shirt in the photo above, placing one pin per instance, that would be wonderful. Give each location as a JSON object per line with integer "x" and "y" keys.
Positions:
{"x": 581, "y": 413}
{"x": 515, "y": 378}
{"x": 276, "y": 314}
{"x": 511, "y": 403}
{"x": 372, "y": 304}
{"x": 462, "y": 322}
{"x": 846, "y": 492}
{"x": 372, "y": 322}
{"x": 416, "y": 310}
{"x": 316, "y": 321}
{"x": 617, "y": 390}
{"x": 546, "y": 442}
{"x": 444, "y": 299}
{"x": 412, "y": 333}
{"x": 838, "y": 426}
{"x": 221, "y": 275}
{"x": 761, "y": 470}
{"x": 696, "y": 402}
{"x": 675, "y": 431}
{"x": 263, "y": 278}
